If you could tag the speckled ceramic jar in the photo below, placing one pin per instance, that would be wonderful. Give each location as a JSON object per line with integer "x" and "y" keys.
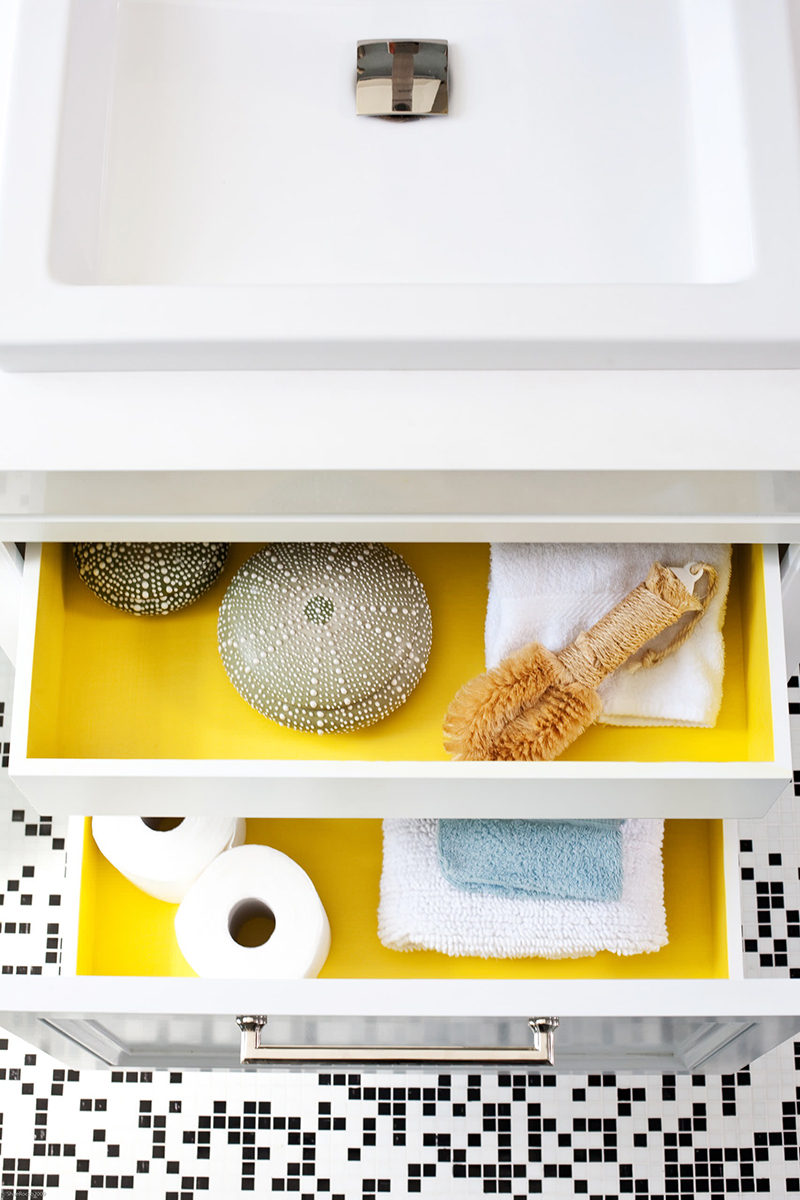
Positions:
{"x": 325, "y": 636}
{"x": 149, "y": 579}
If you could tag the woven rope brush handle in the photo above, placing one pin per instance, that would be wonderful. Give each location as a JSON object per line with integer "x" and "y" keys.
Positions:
{"x": 640, "y": 616}
{"x": 536, "y": 703}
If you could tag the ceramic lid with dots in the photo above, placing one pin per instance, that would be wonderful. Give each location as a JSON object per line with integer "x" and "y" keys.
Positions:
{"x": 149, "y": 578}
{"x": 325, "y": 636}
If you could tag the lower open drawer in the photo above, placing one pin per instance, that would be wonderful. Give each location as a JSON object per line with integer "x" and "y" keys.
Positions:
{"x": 125, "y": 996}
{"x": 115, "y": 712}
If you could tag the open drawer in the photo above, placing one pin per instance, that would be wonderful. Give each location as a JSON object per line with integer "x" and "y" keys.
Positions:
{"x": 115, "y": 713}
{"x": 126, "y": 997}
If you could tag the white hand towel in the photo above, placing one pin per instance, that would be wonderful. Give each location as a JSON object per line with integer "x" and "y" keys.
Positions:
{"x": 420, "y": 910}
{"x": 550, "y": 593}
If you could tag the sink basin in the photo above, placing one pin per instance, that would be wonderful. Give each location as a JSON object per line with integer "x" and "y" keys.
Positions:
{"x": 187, "y": 184}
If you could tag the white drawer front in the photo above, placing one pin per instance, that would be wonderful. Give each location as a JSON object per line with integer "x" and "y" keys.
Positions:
{"x": 473, "y": 455}
{"x": 626, "y": 1042}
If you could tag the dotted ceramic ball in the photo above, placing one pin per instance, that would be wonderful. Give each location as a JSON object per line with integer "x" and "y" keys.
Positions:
{"x": 149, "y": 578}
{"x": 325, "y": 637}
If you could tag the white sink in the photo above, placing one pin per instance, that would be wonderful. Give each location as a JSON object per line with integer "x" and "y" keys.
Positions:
{"x": 187, "y": 184}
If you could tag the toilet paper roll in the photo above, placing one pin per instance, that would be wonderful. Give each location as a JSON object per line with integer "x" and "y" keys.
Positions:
{"x": 253, "y": 914}
{"x": 164, "y": 855}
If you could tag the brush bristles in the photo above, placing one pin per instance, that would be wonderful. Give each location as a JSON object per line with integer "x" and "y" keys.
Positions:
{"x": 526, "y": 708}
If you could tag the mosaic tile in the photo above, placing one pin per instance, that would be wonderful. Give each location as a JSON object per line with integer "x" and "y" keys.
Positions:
{"x": 32, "y": 866}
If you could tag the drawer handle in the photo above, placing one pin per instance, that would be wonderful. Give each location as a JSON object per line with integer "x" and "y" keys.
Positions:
{"x": 541, "y": 1049}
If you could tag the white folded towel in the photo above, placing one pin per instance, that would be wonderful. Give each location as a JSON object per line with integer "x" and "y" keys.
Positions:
{"x": 420, "y": 910}
{"x": 550, "y": 593}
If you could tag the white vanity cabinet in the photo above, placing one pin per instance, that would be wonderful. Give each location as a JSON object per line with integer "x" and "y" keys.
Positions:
{"x": 447, "y": 458}
{"x": 702, "y": 1017}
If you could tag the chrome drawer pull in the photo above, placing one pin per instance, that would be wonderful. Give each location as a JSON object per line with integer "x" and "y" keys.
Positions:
{"x": 541, "y": 1049}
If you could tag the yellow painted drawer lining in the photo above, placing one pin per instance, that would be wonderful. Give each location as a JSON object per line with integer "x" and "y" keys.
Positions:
{"x": 110, "y": 685}
{"x": 124, "y": 932}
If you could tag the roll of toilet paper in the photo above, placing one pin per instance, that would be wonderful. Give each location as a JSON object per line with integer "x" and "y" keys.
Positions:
{"x": 253, "y": 914}
{"x": 164, "y": 855}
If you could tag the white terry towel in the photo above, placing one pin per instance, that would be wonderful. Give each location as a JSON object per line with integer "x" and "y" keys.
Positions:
{"x": 550, "y": 593}
{"x": 420, "y": 910}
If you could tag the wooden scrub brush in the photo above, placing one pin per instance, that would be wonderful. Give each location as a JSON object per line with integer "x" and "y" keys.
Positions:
{"x": 536, "y": 703}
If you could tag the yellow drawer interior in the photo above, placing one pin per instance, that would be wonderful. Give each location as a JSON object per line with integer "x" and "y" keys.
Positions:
{"x": 111, "y": 685}
{"x": 124, "y": 932}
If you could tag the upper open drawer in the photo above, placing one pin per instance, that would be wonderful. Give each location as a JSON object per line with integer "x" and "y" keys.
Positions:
{"x": 115, "y": 713}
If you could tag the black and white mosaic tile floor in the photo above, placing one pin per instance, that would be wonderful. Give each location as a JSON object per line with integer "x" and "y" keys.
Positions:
{"x": 183, "y": 1135}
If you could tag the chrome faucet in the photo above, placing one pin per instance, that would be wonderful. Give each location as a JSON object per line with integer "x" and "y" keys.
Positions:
{"x": 401, "y": 78}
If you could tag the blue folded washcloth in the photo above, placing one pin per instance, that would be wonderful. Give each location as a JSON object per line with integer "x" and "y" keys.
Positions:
{"x": 570, "y": 860}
